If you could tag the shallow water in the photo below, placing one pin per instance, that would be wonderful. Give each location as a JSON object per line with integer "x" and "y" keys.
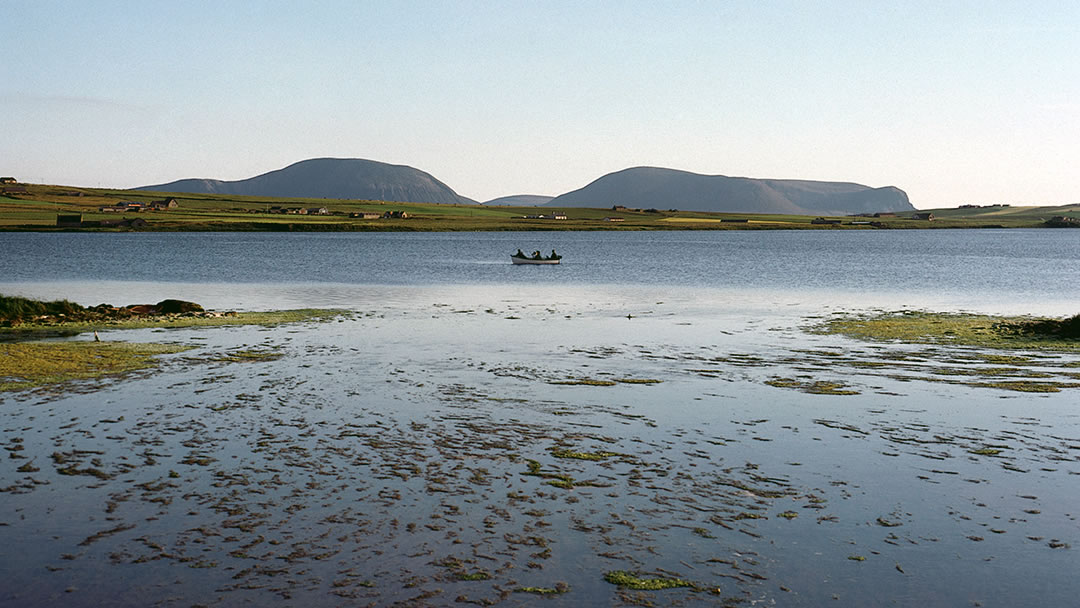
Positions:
{"x": 421, "y": 439}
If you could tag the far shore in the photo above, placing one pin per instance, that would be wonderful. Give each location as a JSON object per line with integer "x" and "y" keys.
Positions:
{"x": 44, "y": 208}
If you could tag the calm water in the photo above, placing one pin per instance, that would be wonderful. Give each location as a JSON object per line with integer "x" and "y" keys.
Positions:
{"x": 415, "y": 450}
{"x": 975, "y": 269}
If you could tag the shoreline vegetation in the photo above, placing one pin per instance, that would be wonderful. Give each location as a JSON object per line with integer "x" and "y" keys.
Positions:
{"x": 35, "y": 207}
{"x": 958, "y": 329}
{"x": 26, "y": 318}
{"x": 29, "y": 359}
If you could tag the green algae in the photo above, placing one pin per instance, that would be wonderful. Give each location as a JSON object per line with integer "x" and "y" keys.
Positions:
{"x": 560, "y": 587}
{"x": 248, "y": 356}
{"x": 816, "y": 387}
{"x": 479, "y": 575}
{"x": 564, "y": 453}
{"x": 586, "y": 382}
{"x": 627, "y": 580}
{"x": 1024, "y": 386}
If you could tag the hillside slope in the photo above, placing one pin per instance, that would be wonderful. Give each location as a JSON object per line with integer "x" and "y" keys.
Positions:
{"x": 336, "y": 178}
{"x": 655, "y": 187}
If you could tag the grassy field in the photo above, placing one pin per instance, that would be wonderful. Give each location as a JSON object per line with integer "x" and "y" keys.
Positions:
{"x": 38, "y": 207}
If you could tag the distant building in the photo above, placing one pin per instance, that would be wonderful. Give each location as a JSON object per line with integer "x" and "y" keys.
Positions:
{"x": 365, "y": 215}
{"x": 922, "y": 216}
{"x": 821, "y": 220}
{"x": 165, "y": 205}
{"x": 8, "y": 180}
{"x": 318, "y": 211}
{"x": 553, "y": 216}
{"x": 885, "y": 214}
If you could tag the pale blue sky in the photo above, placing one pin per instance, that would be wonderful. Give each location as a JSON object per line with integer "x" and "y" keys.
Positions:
{"x": 955, "y": 102}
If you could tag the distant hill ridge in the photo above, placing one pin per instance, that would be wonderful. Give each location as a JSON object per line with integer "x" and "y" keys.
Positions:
{"x": 337, "y": 178}
{"x": 641, "y": 187}
{"x": 655, "y": 187}
{"x": 520, "y": 200}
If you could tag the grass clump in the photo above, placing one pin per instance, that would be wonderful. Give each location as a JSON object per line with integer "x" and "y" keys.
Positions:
{"x": 1068, "y": 329}
{"x": 25, "y": 365}
{"x": 627, "y": 580}
{"x": 14, "y": 309}
{"x": 922, "y": 327}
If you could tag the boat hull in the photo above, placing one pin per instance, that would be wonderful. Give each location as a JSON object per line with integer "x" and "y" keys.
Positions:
{"x": 518, "y": 260}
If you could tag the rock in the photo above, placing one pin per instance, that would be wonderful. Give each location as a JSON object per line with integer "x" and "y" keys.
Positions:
{"x": 168, "y": 307}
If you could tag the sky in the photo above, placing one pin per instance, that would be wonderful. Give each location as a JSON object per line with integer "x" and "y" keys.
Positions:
{"x": 955, "y": 102}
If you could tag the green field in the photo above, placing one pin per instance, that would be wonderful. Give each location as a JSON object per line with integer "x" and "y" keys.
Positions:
{"x": 38, "y": 207}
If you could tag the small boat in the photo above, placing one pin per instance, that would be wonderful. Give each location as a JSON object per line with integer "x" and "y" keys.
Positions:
{"x": 536, "y": 258}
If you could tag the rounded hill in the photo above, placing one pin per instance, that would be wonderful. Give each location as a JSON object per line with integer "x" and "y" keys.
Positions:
{"x": 336, "y": 178}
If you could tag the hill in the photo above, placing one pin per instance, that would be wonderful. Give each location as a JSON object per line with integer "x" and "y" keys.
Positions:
{"x": 654, "y": 187}
{"x": 333, "y": 178}
{"x": 520, "y": 200}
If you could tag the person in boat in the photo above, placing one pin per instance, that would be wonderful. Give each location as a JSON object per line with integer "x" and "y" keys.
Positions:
{"x": 519, "y": 254}
{"x": 553, "y": 256}
{"x": 536, "y": 255}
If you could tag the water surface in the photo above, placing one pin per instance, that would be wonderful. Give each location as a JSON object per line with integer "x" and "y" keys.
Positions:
{"x": 415, "y": 450}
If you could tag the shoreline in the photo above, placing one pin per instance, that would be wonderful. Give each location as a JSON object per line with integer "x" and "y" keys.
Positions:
{"x": 688, "y": 226}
